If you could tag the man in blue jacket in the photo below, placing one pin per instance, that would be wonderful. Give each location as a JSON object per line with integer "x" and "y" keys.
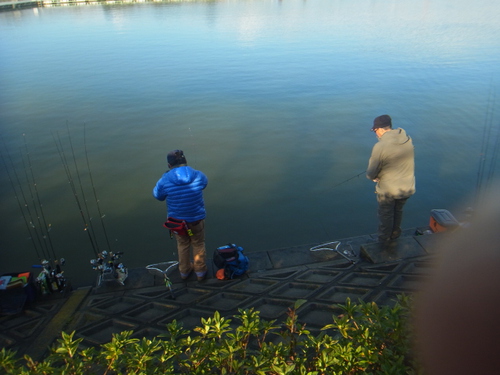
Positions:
{"x": 182, "y": 187}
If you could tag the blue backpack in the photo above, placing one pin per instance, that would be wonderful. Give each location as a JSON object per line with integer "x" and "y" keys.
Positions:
{"x": 230, "y": 261}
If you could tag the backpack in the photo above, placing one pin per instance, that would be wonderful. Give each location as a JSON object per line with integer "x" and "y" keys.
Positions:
{"x": 230, "y": 261}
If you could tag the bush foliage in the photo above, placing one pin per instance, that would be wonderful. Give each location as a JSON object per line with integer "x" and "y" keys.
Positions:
{"x": 364, "y": 339}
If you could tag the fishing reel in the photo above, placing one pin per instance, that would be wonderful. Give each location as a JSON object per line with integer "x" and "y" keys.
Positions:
{"x": 101, "y": 264}
{"x": 50, "y": 279}
{"x": 108, "y": 267}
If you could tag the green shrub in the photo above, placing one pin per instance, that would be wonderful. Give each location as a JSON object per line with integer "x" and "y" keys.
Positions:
{"x": 364, "y": 339}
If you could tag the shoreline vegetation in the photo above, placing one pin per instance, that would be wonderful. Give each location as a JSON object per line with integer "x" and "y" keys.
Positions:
{"x": 364, "y": 338}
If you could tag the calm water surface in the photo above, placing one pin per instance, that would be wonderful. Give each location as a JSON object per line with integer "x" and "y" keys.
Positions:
{"x": 273, "y": 100}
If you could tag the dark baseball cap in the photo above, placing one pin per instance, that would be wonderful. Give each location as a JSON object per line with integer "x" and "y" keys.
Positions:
{"x": 381, "y": 122}
{"x": 176, "y": 157}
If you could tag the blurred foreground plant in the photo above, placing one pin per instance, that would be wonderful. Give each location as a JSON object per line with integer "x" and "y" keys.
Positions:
{"x": 364, "y": 339}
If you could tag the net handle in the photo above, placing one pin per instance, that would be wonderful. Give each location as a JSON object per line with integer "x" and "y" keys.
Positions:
{"x": 322, "y": 246}
{"x": 169, "y": 265}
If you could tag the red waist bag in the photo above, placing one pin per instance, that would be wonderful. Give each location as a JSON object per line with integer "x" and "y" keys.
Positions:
{"x": 178, "y": 227}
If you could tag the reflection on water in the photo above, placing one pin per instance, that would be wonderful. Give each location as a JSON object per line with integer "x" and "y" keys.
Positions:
{"x": 272, "y": 100}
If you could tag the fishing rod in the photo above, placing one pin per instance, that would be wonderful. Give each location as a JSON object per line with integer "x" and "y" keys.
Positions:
{"x": 494, "y": 156}
{"x": 105, "y": 262}
{"x": 349, "y": 179}
{"x": 28, "y": 221}
{"x": 42, "y": 222}
{"x": 111, "y": 269}
{"x": 90, "y": 225}
{"x": 485, "y": 146}
{"x": 51, "y": 278}
{"x": 341, "y": 183}
{"x": 101, "y": 216}
{"x": 83, "y": 215}
{"x": 491, "y": 171}
{"x": 36, "y": 228}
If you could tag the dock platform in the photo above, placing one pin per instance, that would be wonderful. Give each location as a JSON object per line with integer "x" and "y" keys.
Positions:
{"x": 276, "y": 279}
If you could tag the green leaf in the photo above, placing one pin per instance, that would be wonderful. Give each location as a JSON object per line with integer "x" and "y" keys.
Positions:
{"x": 299, "y": 303}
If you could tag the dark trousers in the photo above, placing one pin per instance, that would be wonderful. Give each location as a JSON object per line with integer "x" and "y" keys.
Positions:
{"x": 390, "y": 215}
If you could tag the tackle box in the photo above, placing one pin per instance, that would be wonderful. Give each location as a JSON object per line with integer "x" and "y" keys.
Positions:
{"x": 19, "y": 289}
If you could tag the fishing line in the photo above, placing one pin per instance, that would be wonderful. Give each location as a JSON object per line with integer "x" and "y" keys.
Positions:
{"x": 43, "y": 221}
{"x": 27, "y": 220}
{"x": 192, "y": 145}
{"x": 71, "y": 182}
{"x": 101, "y": 216}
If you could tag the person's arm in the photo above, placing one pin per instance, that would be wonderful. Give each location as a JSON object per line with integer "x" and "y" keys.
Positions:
{"x": 159, "y": 191}
{"x": 204, "y": 180}
{"x": 374, "y": 164}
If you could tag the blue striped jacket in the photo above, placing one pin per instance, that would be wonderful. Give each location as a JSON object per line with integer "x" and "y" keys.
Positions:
{"x": 182, "y": 187}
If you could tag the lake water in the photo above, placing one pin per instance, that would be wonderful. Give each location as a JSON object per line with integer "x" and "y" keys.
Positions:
{"x": 272, "y": 100}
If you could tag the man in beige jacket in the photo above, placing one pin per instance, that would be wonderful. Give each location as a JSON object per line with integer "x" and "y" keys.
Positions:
{"x": 392, "y": 167}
